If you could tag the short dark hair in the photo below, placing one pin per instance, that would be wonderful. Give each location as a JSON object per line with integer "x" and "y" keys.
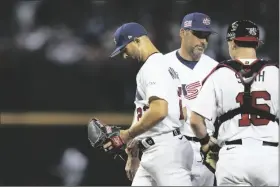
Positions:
{"x": 246, "y": 44}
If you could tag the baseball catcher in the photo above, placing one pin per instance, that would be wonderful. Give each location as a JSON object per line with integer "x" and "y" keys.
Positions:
{"x": 100, "y": 134}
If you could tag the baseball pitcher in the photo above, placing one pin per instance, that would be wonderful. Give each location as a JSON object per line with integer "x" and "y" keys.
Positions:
{"x": 243, "y": 94}
{"x": 158, "y": 116}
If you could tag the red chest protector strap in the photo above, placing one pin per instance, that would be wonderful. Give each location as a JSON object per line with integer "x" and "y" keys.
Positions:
{"x": 247, "y": 75}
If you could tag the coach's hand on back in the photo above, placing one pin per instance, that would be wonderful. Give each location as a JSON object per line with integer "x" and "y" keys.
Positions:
{"x": 209, "y": 153}
{"x": 133, "y": 160}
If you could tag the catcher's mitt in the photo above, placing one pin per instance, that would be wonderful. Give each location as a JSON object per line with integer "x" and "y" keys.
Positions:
{"x": 100, "y": 134}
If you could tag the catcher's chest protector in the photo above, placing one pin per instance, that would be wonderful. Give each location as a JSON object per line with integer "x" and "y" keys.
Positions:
{"x": 247, "y": 75}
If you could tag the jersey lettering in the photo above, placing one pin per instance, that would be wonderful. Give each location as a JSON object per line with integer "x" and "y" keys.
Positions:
{"x": 247, "y": 119}
{"x": 259, "y": 78}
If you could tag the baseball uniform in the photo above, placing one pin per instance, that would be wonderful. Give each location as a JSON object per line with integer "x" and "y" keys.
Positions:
{"x": 163, "y": 162}
{"x": 191, "y": 80}
{"x": 249, "y": 153}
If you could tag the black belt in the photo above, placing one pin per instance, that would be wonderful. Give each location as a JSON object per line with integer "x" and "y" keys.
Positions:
{"x": 151, "y": 142}
{"x": 239, "y": 142}
{"x": 194, "y": 139}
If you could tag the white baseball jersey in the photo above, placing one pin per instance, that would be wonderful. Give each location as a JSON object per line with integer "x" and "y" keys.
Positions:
{"x": 191, "y": 81}
{"x": 156, "y": 78}
{"x": 222, "y": 92}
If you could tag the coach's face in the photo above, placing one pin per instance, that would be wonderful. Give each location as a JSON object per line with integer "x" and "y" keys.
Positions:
{"x": 194, "y": 42}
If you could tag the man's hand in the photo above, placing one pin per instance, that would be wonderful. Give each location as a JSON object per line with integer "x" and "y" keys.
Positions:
{"x": 209, "y": 153}
{"x": 126, "y": 139}
{"x": 133, "y": 160}
{"x": 207, "y": 147}
{"x": 132, "y": 148}
{"x": 131, "y": 167}
{"x": 131, "y": 145}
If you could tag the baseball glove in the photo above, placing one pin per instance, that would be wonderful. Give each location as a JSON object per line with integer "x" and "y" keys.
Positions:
{"x": 100, "y": 134}
{"x": 210, "y": 157}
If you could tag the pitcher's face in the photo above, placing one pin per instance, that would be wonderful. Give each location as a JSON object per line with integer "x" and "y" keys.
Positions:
{"x": 131, "y": 51}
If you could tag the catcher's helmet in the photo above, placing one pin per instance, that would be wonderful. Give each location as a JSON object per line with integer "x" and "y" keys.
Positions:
{"x": 244, "y": 30}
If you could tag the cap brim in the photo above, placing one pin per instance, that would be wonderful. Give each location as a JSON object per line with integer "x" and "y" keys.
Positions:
{"x": 203, "y": 30}
{"x": 247, "y": 39}
{"x": 117, "y": 51}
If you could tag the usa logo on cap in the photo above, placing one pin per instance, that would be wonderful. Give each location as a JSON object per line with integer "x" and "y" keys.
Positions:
{"x": 206, "y": 21}
{"x": 188, "y": 23}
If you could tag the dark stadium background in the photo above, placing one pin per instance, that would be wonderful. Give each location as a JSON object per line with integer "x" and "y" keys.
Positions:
{"x": 55, "y": 74}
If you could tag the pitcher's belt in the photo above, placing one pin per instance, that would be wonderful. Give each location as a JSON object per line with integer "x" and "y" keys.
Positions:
{"x": 148, "y": 142}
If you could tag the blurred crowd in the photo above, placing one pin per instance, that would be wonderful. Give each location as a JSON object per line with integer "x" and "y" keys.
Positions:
{"x": 54, "y": 53}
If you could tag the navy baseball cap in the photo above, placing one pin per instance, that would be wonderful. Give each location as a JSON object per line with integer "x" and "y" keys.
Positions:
{"x": 198, "y": 22}
{"x": 126, "y": 34}
{"x": 243, "y": 30}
